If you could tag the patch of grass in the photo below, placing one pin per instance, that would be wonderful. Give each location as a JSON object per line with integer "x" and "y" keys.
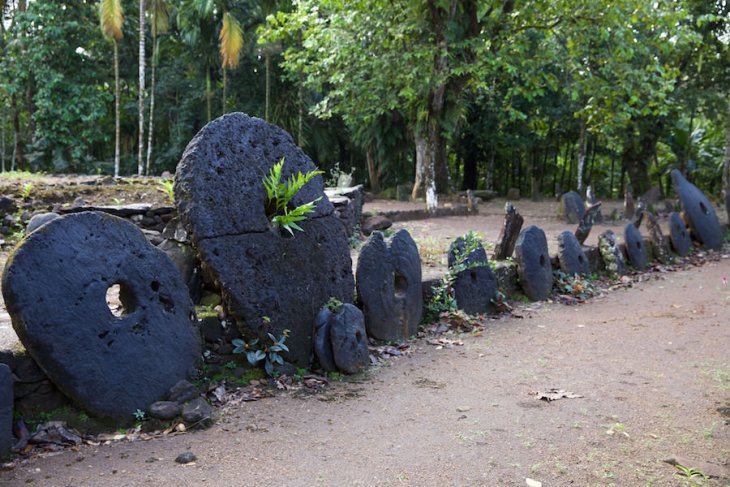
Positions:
{"x": 22, "y": 175}
{"x": 431, "y": 251}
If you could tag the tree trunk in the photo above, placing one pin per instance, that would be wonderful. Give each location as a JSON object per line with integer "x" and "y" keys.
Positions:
{"x": 300, "y": 124}
{"x": 726, "y": 159}
{"x": 150, "y": 129}
{"x": 373, "y": 172}
{"x": 208, "y": 95}
{"x": 117, "y": 124}
{"x": 140, "y": 97}
{"x": 470, "y": 170}
{"x": 2, "y": 140}
{"x": 267, "y": 59}
{"x": 490, "y": 168}
{"x": 18, "y": 161}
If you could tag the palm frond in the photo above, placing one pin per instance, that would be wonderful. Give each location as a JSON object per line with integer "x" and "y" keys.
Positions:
{"x": 231, "y": 41}
{"x": 111, "y": 18}
{"x": 159, "y": 16}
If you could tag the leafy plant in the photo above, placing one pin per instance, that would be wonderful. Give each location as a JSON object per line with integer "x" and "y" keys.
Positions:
{"x": 333, "y": 304}
{"x": 167, "y": 187}
{"x": 139, "y": 415}
{"x": 695, "y": 477}
{"x": 27, "y": 190}
{"x": 280, "y": 193}
{"x": 573, "y": 285}
{"x": 270, "y": 354}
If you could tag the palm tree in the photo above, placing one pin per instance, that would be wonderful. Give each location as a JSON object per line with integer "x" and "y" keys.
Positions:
{"x": 159, "y": 24}
{"x": 111, "y": 17}
{"x": 140, "y": 97}
{"x": 231, "y": 43}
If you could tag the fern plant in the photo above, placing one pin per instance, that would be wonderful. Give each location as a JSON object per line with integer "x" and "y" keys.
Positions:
{"x": 280, "y": 193}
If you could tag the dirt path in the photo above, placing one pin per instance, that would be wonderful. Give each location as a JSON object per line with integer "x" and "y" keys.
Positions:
{"x": 652, "y": 363}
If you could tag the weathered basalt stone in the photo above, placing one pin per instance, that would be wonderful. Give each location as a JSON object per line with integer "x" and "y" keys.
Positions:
{"x": 511, "y": 227}
{"x": 261, "y": 273}
{"x": 165, "y": 410}
{"x": 389, "y": 286}
{"x": 533, "y": 263}
{"x": 197, "y": 413}
{"x": 700, "y": 213}
{"x": 182, "y": 392}
{"x": 55, "y": 287}
{"x": 571, "y": 207}
{"x": 475, "y": 285}
{"x": 571, "y": 257}
{"x": 678, "y": 234}
{"x": 349, "y": 339}
{"x": 612, "y": 256}
{"x": 322, "y": 342}
{"x": 186, "y": 261}
{"x": 6, "y": 410}
{"x": 726, "y": 195}
{"x": 375, "y": 223}
{"x": 635, "y": 247}
{"x": 40, "y": 219}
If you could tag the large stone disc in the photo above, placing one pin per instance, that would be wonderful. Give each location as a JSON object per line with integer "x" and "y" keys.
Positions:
{"x": 533, "y": 263}
{"x": 55, "y": 287}
{"x": 678, "y": 234}
{"x": 700, "y": 213}
{"x": 571, "y": 256}
{"x": 269, "y": 281}
{"x": 635, "y": 247}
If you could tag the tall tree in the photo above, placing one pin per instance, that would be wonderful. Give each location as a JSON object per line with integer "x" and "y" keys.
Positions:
{"x": 141, "y": 94}
{"x": 159, "y": 24}
{"x": 111, "y": 17}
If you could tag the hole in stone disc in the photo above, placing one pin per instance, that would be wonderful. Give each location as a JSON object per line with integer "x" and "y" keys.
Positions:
{"x": 400, "y": 284}
{"x": 580, "y": 259}
{"x": 473, "y": 276}
{"x": 120, "y": 300}
{"x": 638, "y": 245}
{"x": 358, "y": 336}
{"x": 155, "y": 286}
{"x": 542, "y": 261}
{"x": 704, "y": 208}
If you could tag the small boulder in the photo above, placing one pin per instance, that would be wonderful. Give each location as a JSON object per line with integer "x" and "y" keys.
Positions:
{"x": 474, "y": 284}
{"x": 571, "y": 207}
{"x": 182, "y": 392}
{"x": 678, "y": 235}
{"x": 571, "y": 256}
{"x": 612, "y": 256}
{"x": 533, "y": 263}
{"x": 635, "y": 247}
{"x": 165, "y": 410}
{"x": 185, "y": 458}
{"x": 700, "y": 213}
{"x": 39, "y": 220}
{"x": 375, "y": 223}
{"x": 322, "y": 342}
{"x": 197, "y": 412}
{"x": 349, "y": 339}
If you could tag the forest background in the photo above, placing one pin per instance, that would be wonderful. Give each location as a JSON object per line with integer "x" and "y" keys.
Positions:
{"x": 436, "y": 95}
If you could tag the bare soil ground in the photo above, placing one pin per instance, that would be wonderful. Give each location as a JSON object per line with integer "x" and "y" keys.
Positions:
{"x": 651, "y": 361}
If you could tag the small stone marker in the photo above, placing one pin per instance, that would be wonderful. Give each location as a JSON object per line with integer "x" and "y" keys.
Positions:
{"x": 533, "y": 263}
{"x": 389, "y": 286}
{"x": 6, "y": 410}
{"x": 55, "y": 288}
{"x": 322, "y": 341}
{"x": 586, "y": 223}
{"x": 349, "y": 339}
{"x": 678, "y": 234}
{"x": 571, "y": 256}
{"x": 612, "y": 256}
{"x": 659, "y": 243}
{"x": 635, "y": 246}
{"x": 511, "y": 227}
{"x": 699, "y": 211}
{"x": 475, "y": 286}
{"x": 571, "y": 207}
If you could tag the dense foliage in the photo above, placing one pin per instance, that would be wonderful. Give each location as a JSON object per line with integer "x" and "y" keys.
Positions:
{"x": 543, "y": 96}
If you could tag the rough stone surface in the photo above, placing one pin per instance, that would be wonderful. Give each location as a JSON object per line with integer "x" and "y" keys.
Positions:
{"x": 40, "y": 219}
{"x": 185, "y": 458}
{"x": 33, "y": 391}
{"x": 659, "y": 243}
{"x": 571, "y": 207}
{"x": 6, "y": 410}
{"x": 571, "y": 256}
{"x": 197, "y": 412}
{"x": 55, "y": 285}
{"x": 727, "y": 205}
{"x": 611, "y": 254}
{"x": 375, "y": 223}
{"x": 699, "y": 211}
{"x": 349, "y": 339}
{"x": 165, "y": 410}
{"x": 635, "y": 249}
{"x": 182, "y": 392}
{"x": 261, "y": 273}
{"x": 678, "y": 234}
{"x": 533, "y": 263}
{"x": 186, "y": 261}
{"x": 511, "y": 227}
{"x": 474, "y": 290}
{"x": 322, "y": 342}
{"x": 458, "y": 247}
{"x": 389, "y": 286}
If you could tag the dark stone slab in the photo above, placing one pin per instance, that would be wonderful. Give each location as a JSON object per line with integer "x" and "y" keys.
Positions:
{"x": 659, "y": 243}
{"x": 182, "y": 392}
{"x": 186, "y": 261}
{"x": 726, "y": 194}
{"x": 222, "y": 201}
{"x": 635, "y": 249}
{"x": 699, "y": 211}
{"x": 375, "y": 223}
{"x": 40, "y": 219}
{"x": 571, "y": 207}
{"x": 533, "y": 263}
{"x": 585, "y": 225}
{"x": 55, "y": 287}
{"x": 6, "y": 410}
{"x": 474, "y": 289}
{"x": 389, "y": 286}
{"x": 571, "y": 257}
{"x": 322, "y": 341}
{"x": 505, "y": 246}
{"x": 678, "y": 235}
{"x": 456, "y": 253}
{"x": 165, "y": 410}
{"x": 613, "y": 258}
{"x": 197, "y": 413}
{"x": 349, "y": 339}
